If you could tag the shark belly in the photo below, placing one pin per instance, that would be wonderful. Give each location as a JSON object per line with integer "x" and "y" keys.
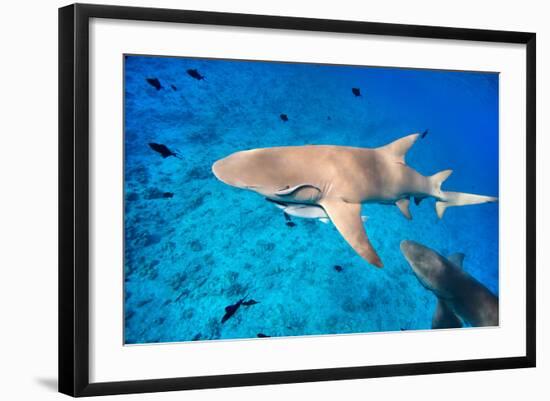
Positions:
{"x": 475, "y": 304}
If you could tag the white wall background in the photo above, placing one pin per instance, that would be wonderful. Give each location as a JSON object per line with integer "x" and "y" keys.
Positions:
{"x": 28, "y": 200}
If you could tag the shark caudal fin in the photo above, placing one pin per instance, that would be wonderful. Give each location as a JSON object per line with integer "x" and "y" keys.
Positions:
{"x": 448, "y": 199}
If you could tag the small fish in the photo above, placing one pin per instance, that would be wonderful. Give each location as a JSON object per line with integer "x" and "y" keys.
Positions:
{"x": 195, "y": 74}
{"x": 290, "y": 224}
{"x": 168, "y": 195}
{"x": 284, "y": 117}
{"x": 356, "y": 91}
{"x": 338, "y": 268}
{"x": 250, "y": 303}
{"x": 163, "y": 150}
{"x": 231, "y": 309}
{"x": 197, "y": 337}
{"x": 155, "y": 83}
{"x": 424, "y": 134}
{"x": 262, "y": 335}
{"x": 173, "y": 87}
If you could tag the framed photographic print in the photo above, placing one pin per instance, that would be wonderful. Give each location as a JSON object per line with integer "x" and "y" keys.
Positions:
{"x": 344, "y": 199}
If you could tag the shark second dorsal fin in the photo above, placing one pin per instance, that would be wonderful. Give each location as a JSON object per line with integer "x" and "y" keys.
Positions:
{"x": 400, "y": 147}
{"x": 347, "y": 219}
{"x": 457, "y": 259}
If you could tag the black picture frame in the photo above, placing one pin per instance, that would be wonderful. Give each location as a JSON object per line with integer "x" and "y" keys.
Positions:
{"x": 74, "y": 198}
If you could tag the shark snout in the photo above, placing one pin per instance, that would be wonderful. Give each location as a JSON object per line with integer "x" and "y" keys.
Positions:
{"x": 409, "y": 249}
{"x": 224, "y": 170}
{"x": 416, "y": 255}
{"x": 428, "y": 266}
{"x": 235, "y": 170}
{"x": 218, "y": 170}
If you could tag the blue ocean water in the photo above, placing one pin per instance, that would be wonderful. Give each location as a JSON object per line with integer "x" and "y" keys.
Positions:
{"x": 194, "y": 245}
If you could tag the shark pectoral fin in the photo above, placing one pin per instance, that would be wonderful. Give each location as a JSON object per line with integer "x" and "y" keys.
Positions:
{"x": 444, "y": 317}
{"x": 400, "y": 147}
{"x": 347, "y": 219}
{"x": 457, "y": 259}
{"x": 403, "y": 205}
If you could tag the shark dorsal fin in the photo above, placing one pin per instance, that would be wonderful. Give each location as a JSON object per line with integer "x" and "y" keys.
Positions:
{"x": 400, "y": 147}
{"x": 457, "y": 259}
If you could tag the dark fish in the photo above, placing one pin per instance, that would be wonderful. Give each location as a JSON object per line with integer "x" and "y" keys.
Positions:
{"x": 284, "y": 117}
{"x": 423, "y": 135}
{"x": 155, "y": 83}
{"x": 168, "y": 195}
{"x": 356, "y": 91}
{"x": 173, "y": 87}
{"x": 195, "y": 74}
{"x": 262, "y": 335}
{"x": 197, "y": 337}
{"x": 163, "y": 150}
{"x": 144, "y": 302}
{"x": 250, "y": 303}
{"x": 231, "y": 309}
{"x": 338, "y": 268}
{"x": 290, "y": 224}
{"x": 287, "y": 217}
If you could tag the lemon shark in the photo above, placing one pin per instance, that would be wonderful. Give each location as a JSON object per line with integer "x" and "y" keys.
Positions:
{"x": 461, "y": 298}
{"x": 332, "y": 182}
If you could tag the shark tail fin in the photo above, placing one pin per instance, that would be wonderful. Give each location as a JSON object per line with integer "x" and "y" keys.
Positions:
{"x": 448, "y": 199}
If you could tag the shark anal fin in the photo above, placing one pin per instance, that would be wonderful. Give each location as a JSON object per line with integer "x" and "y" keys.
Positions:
{"x": 403, "y": 205}
{"x": 457, "y": 259}
{"x": 347, "y": 219}
{"x": 400, "y": 147}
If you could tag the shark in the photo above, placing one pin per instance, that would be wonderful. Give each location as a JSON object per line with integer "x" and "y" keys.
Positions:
{"x": 460, "y": 297}
{"x": 329, "y": 181}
